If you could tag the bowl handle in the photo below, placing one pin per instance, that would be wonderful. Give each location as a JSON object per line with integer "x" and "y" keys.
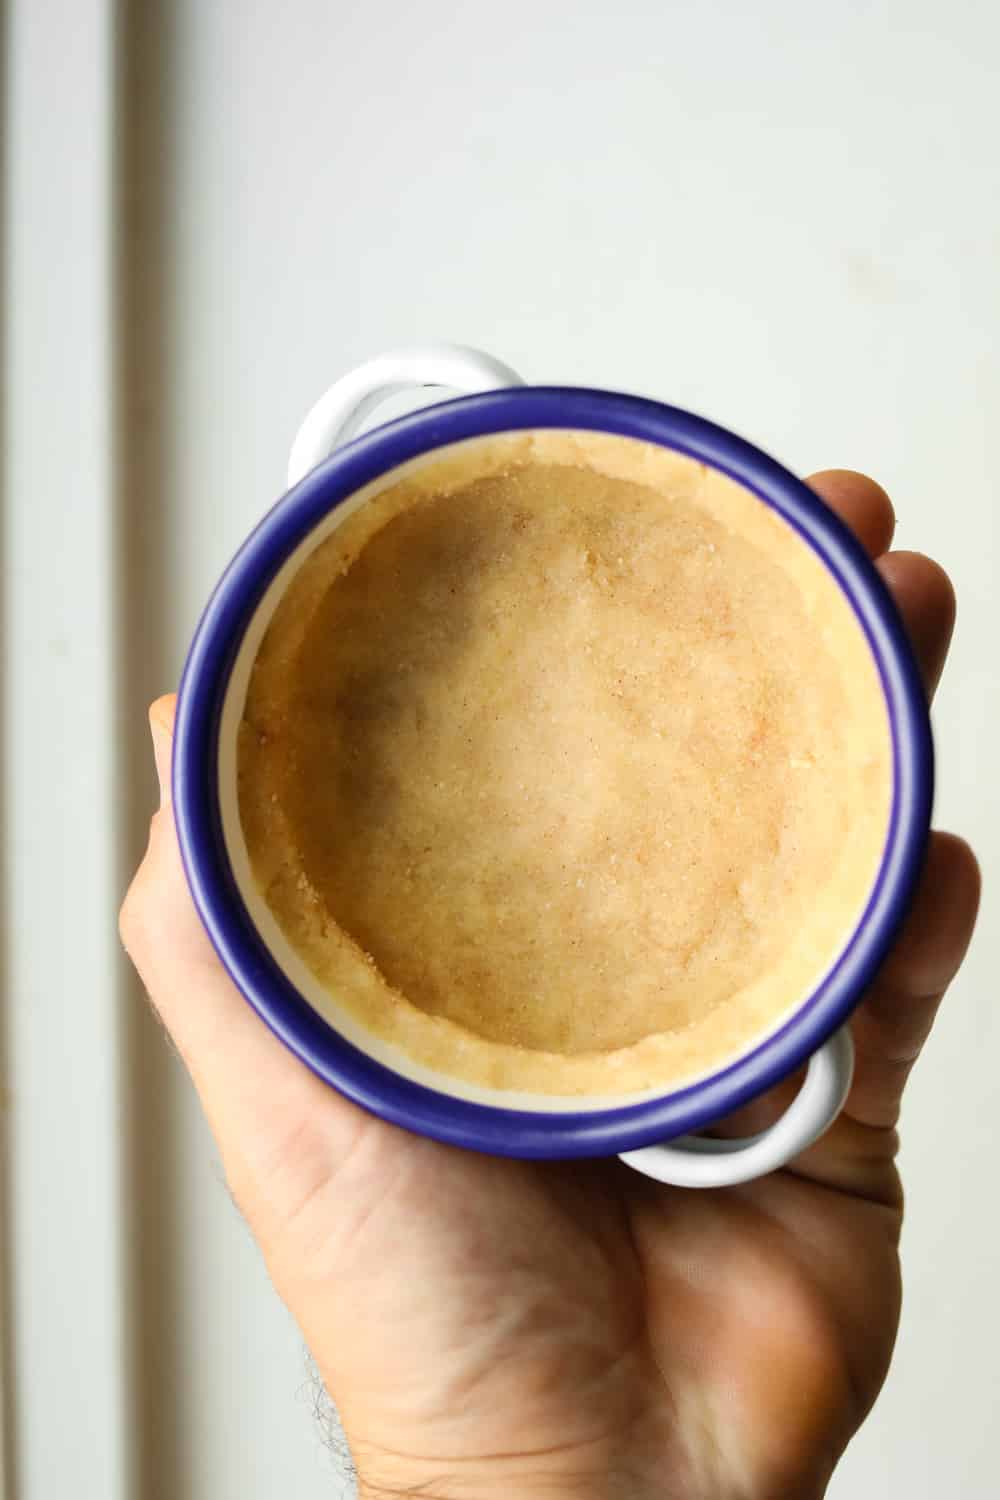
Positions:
{"x": 339, "y": 412}
{"x": 703, "y": 1162}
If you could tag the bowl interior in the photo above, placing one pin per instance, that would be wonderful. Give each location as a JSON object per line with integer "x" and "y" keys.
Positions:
{"x": 295, "y": 972}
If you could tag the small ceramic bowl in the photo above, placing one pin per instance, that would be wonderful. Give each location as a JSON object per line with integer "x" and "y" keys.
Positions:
{"x": 655, "y": 1134}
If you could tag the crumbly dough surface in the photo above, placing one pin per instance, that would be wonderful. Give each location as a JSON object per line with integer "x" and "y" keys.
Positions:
{"x": 564, "y": 765}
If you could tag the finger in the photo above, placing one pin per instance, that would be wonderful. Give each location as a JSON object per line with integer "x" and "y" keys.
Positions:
{"x": 889, "y": 1029}
{"x": 922, "y": 590}
{"x": 857, "y": 1153}
{"x": 861, "y": 503}
{"x": 925, "y": 598}
{"x": 261, "y": 1101}
{"x": 893, "y": 1023}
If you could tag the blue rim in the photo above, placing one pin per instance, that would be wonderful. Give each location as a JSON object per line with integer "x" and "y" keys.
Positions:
{"x": 482, "y": 1127}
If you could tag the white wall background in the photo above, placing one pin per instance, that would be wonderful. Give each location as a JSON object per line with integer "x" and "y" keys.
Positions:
{"x": 786, "y": 216}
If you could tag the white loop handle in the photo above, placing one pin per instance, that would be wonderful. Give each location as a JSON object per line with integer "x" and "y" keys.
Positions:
{"x": 696, "y": 1161}
{"x": 341, "y": 410}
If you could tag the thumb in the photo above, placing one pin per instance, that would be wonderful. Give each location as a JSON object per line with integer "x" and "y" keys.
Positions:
{"x": 271, "y": 1117}
{"x": 161, "y": 727}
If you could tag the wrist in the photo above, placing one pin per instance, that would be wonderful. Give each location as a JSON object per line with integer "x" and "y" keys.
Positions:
{"x": 451, "y": 1486}
{"x": 392, "y": 1478}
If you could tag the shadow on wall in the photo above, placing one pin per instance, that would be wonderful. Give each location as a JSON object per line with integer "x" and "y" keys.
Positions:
{"x": 146, "y": 58}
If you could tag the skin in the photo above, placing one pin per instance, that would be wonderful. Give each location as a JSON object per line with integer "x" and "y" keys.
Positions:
{"x": 491, "y": 1327}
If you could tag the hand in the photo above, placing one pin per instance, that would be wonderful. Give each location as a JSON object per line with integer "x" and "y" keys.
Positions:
{"x": 492, "y": 1327}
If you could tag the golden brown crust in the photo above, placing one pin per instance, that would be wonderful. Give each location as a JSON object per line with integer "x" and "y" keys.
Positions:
{"x": 565, "y": 765}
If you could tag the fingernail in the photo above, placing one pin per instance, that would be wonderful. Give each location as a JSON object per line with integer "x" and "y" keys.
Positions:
{"x": 162, "y": 749}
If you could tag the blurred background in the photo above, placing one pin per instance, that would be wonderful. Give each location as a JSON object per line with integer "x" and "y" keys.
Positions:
{"x": 784, "y": 216}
